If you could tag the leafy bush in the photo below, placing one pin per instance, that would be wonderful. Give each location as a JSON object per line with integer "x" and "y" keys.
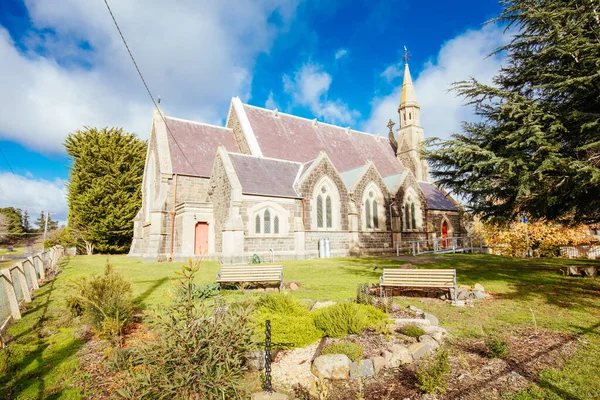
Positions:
{"x": 291, "y": 322}
{"x": 198, "y": 351}
{"x": 354, "y": 351}
{"x": 205, "y": 291}
{"x": 411, "y": 330}
{"x": 432, "y": 375}
{"x": 105, "y": 301}
{"x": 496, "y": 347}
{"x": 347, "y": 318}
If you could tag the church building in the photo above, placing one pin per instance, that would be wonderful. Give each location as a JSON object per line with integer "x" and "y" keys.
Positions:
{"x": 274, "y": 184}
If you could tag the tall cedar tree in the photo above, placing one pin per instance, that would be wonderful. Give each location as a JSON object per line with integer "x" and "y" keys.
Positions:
{"x": 104, "y": 189}
{"x": 41, "y": 223}
{"x": 536, "y": 148}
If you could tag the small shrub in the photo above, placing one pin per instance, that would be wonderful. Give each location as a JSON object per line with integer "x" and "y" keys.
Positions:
{"x": 411, "y": 330}
{"x": 432, "y": 375}
{"x": 354, "y": 351}
{"x": 205, "y": 291}
{"x": 291, "y": 322}
{"x": 496, "y": 347}
{"x": 105, "y": 301}
{"x": 198, "y": 351}
{"x": 347, "y": 318}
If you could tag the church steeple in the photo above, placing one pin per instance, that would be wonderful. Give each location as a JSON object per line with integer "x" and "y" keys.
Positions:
{"x": 410, "y": 132}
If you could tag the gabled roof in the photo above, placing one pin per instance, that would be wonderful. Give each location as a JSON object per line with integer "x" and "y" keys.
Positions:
{"x": 393, "y": 181}
{"x": 288, "y": 137}
{"x": 351, "y": 176}
{"x": 265, "y": 176}
{"x": 436, "y": 200}
{"x": 199, "y": 143}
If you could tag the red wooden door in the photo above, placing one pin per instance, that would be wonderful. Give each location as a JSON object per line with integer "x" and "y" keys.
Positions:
{"x": 201, "y": 238}
{"x": 444, "y": 234}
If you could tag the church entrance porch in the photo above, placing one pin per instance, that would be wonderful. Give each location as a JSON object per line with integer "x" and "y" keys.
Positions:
{"x": 201, "y": 239}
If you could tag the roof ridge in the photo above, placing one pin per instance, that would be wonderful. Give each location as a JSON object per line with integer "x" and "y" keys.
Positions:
{"x": 310, "y": 120}
{"x": 197, "y": 123}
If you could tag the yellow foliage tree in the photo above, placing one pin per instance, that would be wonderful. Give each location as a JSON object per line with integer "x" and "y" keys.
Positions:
{"x": 545, "y": 238}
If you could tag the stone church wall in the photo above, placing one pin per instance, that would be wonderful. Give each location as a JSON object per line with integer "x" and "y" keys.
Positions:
{"x": 339, "y": 242}
{"x": 375, "y": 242}
{"x": 192, "y": 188}
{"x": 435, "y": 222}
{"x": 308, "y": 185}
{"x": 221, "y": 198}
{"x": 233, "y": 122}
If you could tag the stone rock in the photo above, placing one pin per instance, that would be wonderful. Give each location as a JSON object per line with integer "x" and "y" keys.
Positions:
{"x": 479, "y": 295}
{"x": 268, "y": 396}
{"x": 293, "y": 287}
{"x": 271, "y": 289}
{"x": 414, "y": 321}
{"x": 429, "y": 397}
{"x": 378, "y": 363}
{"x": 318, "y": 304}
{"x": 432, "y": 319}
{"x": 354, "y": 371}
{"x": 401, "y": 355}
{"x": 387, "y": 356}
{"x": 463, "y": 294}
{"x": 255, "y": 360}
{"x": 420, "y": 350}
{"x": 438, "y": 336}
{"x": 413, "y": 308}
{"x": 366, "y": 368}
{"x": 478, "y": 287}
{"x": 332, "y": 366}
{"x": 429, "y": 339}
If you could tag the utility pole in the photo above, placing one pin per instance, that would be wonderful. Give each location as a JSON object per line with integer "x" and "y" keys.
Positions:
{"x": 45, "y": 231}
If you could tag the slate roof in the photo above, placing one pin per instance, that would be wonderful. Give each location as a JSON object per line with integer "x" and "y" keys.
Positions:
{"x": 436, "y": 200}
{"x": 351, "y": 176}
{"x": 265, "y": 176}
{"x": 293, "y": 138}
{"x": 199, "y": 143}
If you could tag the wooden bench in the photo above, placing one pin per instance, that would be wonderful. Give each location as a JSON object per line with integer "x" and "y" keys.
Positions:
{"x": 251, "y": 273}
{"x": 418, "y": 278}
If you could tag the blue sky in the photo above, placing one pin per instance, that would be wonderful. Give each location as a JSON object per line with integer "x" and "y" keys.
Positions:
{"x": 62, "y": 66}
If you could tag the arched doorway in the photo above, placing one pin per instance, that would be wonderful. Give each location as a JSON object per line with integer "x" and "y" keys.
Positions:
{"x": 201, "y": 238}
{"x": 444, "y": 234}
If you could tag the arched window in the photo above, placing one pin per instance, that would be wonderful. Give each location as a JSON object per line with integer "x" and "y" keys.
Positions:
{"x": 276, "y": 225}
{"x": 150, "y": 181}
{"x": 267, "y": 221}
{"x": 329, "y": 212}
{"x": 368, "y": 213}
{"x": 320, "y": 211}
{"x": 375, "y": 215}
{"x": 413, "y": 216}
{"x": 409, "y": 116}
{"x": 412, "y": 213}
{"x": 257, "y": 224}
{"x": 407, "y": 217}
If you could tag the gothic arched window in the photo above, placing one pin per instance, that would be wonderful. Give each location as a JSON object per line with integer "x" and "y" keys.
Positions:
{"x": 319, "y": 211}
{"x": 368, "y": 213}
{"x": 407, "y": 218}
{"x": 276, "y": 225}
{"x": 325, "y": 205}
{"x": 375, "y": 216}
{"x": 412, "y": 213}
{"x": 257, "y": 224}
{"x": 267, "y": 221}
{"x": 329, "y": 212}
{"x": 413, "y": 216}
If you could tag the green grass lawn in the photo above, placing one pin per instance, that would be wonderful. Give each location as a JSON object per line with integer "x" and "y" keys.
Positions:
{"x": 43, "y": 359}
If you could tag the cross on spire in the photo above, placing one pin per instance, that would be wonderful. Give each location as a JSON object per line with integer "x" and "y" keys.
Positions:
{"x": 406, "y": 55}
{"x": 391, "y": 125}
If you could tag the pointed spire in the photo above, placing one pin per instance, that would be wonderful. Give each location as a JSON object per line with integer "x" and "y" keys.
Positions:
{"x": 408, "y": 90}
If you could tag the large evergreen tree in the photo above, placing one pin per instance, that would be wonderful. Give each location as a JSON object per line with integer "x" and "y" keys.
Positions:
{"x": 13, "y": 224}
{"x": 104, "y": 189}
{"x": 536, "y": 148}
{"x": 41, "y": 223}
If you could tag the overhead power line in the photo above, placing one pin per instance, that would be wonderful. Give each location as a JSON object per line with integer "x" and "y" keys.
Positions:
{"x": 7, "y": 163}
{"x": 146, "y": 86}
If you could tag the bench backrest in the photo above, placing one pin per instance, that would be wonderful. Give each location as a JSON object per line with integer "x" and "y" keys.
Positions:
{"x": 442, "y": 278}
{"x": 249, "y": 273}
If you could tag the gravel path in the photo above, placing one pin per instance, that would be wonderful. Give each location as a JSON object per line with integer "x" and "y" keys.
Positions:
{"x": 293, "y": 366}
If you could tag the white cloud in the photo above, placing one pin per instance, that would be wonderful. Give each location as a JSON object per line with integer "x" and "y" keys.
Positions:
{"x": 460, "y": 58}
{"x": 341, "y": 53}
{"x": 309, "y": 87}
{"x": 188, "y": 53}
{"x": 34, "y": 195}
{"x": 271, "y": 103}
{"x": 392, "y": 72}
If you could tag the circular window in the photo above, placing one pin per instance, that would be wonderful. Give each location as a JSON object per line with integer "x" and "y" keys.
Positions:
{"x": 323, "y": 190}
{"x": 371, "y": 194}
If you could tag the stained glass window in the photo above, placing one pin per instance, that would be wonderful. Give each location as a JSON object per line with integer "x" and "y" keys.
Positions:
{"x": 276, "y": 225}
{"x": 368, "y": 213}
{"x": 319, "y": 211}
{"x": 257, "y": 224}
{"x": 329, "y": 209}
{"x": 267, "y": 221}
{"x": 407, "y": 216}
{"x": 414, "y": 218}
{"x": 375, "y": 216}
